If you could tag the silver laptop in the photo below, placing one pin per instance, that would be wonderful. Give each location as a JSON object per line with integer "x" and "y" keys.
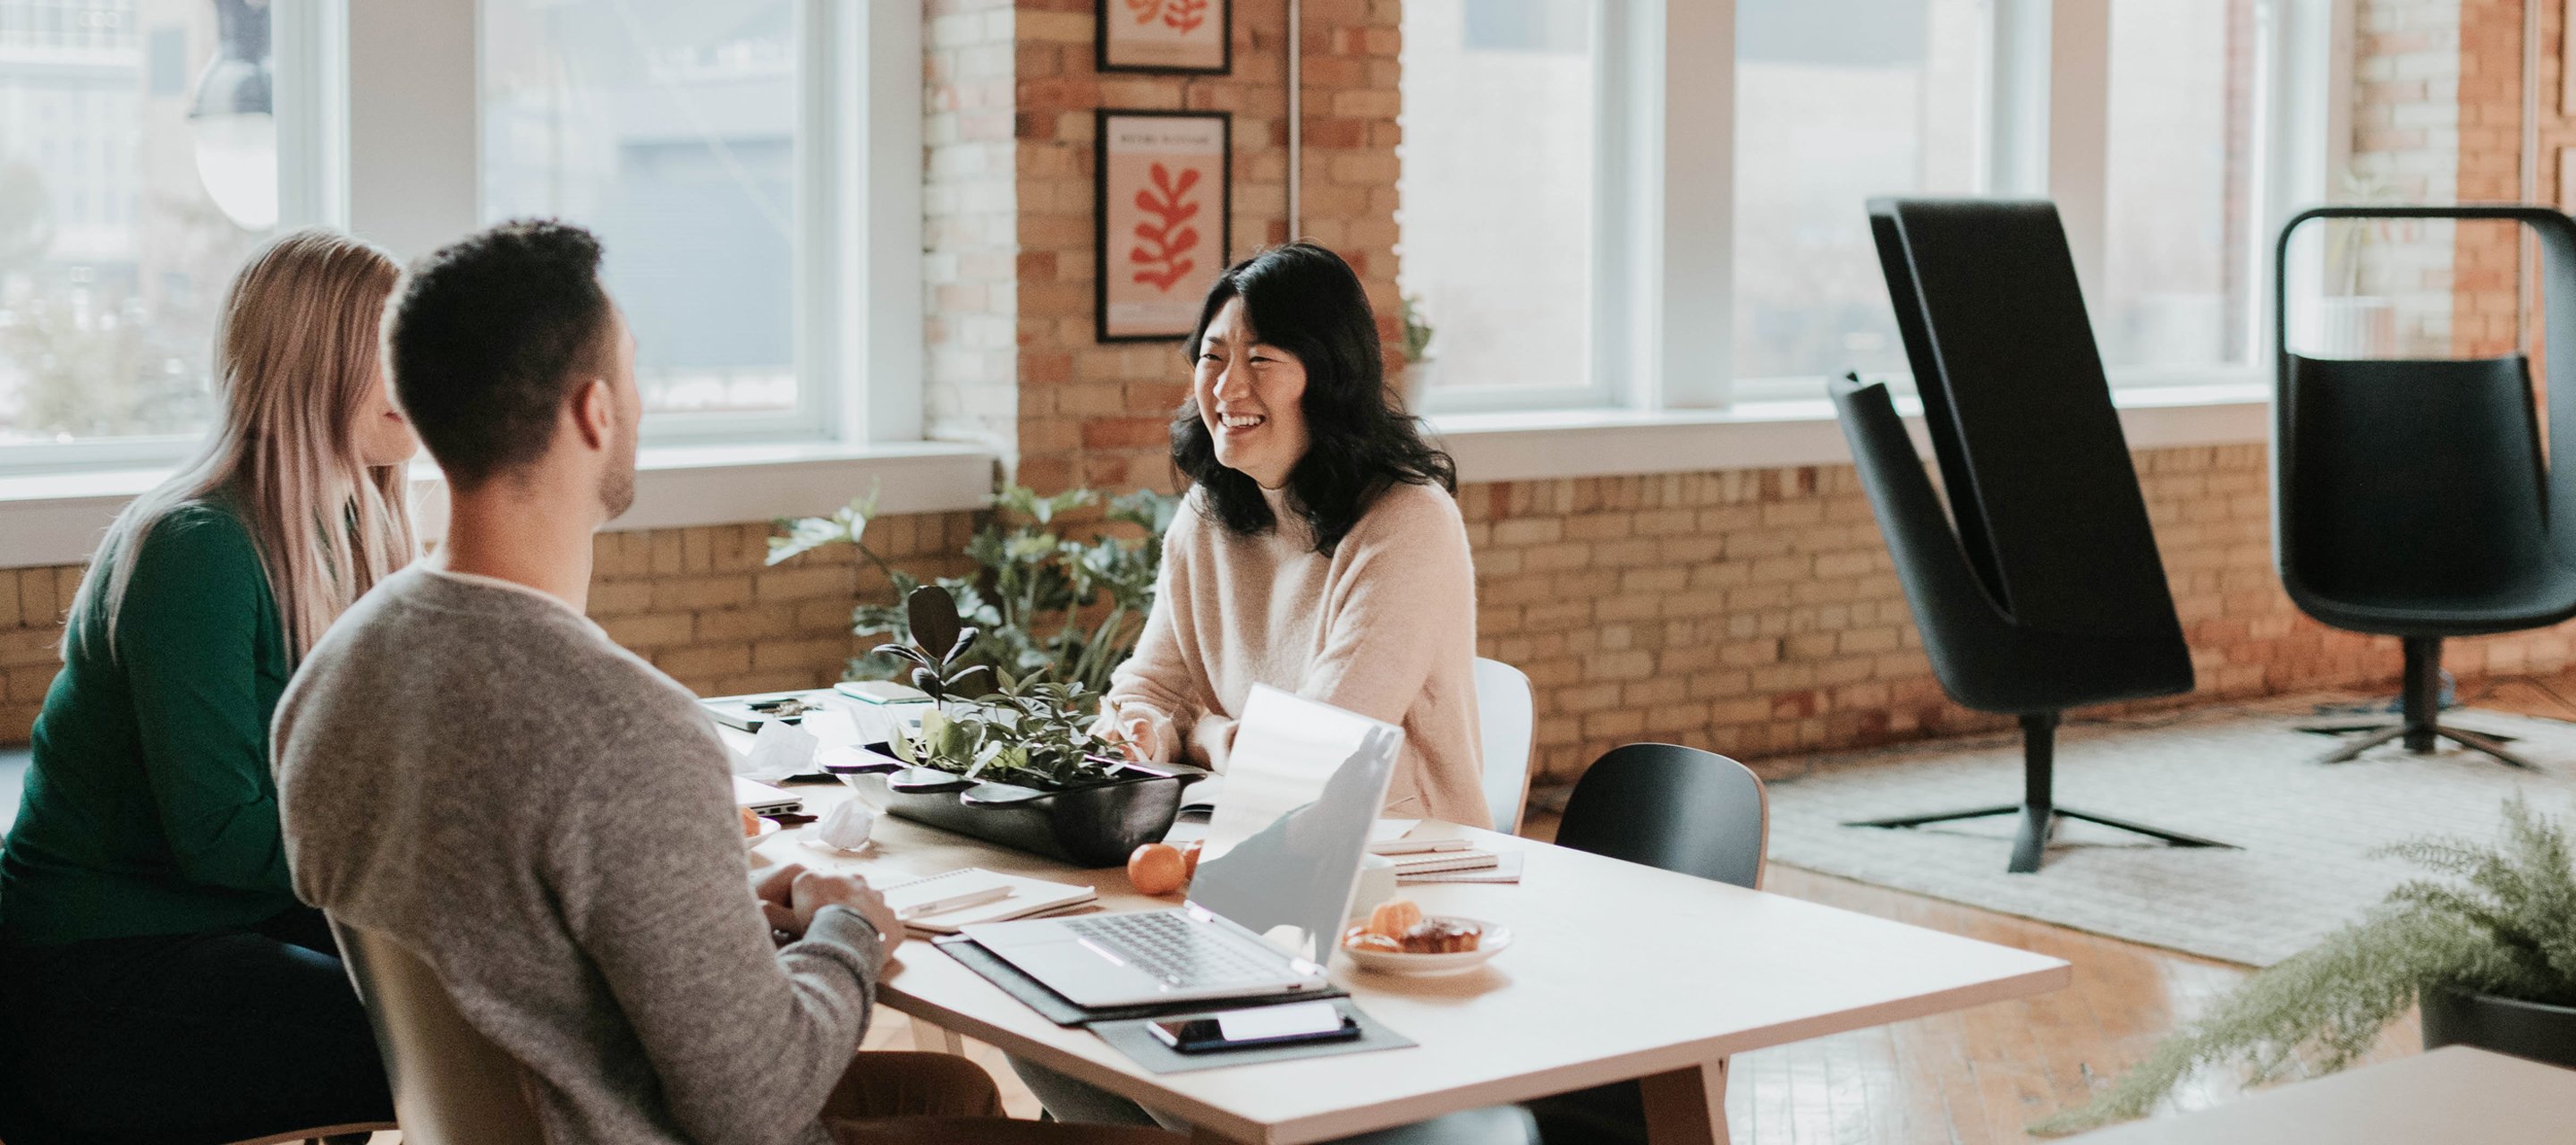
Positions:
{"x": 1303, "y": 787}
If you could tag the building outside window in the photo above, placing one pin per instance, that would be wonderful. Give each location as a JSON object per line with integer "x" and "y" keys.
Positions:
{"x": 1838, "y": 101}
{"x": 1495, "y": 199}
{"x": 135, "y": 175}
{"x": 669, "y": 128}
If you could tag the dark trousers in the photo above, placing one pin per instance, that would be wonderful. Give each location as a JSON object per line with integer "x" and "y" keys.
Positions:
{"x": 171, "y": 1039}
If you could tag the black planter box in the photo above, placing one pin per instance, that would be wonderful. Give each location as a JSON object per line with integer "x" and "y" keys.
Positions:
{"x": 1094, "y": 826}
{"x": 2542, "y": 1033}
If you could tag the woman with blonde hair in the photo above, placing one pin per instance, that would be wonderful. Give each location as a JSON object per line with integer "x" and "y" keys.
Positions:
{"x": 158, "y": 979}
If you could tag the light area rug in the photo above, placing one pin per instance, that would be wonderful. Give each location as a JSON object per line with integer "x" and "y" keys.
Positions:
{"x": 2304, "y": 832}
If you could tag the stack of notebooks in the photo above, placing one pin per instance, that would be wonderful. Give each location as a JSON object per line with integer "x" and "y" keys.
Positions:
{"x": 1447, "y": 861}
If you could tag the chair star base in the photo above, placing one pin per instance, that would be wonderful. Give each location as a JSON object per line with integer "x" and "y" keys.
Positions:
{"x": 2038, "y": 807}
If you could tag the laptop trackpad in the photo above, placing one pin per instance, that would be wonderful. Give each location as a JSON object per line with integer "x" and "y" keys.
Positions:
{"x": 1082, "y": 972}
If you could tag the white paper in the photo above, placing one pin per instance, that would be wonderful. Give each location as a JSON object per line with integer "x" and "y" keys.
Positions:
{"x": 832, "y": 726}
{"x": 847, "y": 826}
{"x": 1389, "y": 830}
{"x": 780, "y": 750}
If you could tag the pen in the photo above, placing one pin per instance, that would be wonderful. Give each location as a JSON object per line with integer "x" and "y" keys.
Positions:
{"x": 954, "y": 902}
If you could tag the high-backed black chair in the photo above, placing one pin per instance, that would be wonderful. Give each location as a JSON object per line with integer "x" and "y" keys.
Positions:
{"x": 2049, "y": 593}
{"x": 2409, "y": 497}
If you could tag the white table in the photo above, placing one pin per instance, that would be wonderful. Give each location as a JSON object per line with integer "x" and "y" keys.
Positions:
{"x": 1616, "y": 971}
{"x": 2451, "y": 1094}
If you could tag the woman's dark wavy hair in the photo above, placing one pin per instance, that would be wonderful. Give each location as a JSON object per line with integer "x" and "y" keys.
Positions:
{"x": 1305, "y": 300}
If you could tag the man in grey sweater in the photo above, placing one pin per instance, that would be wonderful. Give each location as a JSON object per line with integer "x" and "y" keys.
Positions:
{"x": 470, "y": 768}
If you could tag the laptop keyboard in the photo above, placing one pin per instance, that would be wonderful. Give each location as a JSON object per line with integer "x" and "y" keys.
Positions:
{"x": 1168, "y": 946}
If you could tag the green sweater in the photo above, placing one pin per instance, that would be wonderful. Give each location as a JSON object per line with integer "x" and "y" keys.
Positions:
{"x": 150, "y": 808}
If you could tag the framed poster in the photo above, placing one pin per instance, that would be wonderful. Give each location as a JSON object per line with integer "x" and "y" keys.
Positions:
{"x": 1166, "y": 36}
{"x": 1161, "y": 217}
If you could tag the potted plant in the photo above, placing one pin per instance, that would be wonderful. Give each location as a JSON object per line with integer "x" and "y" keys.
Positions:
{"x": 1046, "y": 603}
{"x": 1417, "y": 351}
{"x": 2490, "y": 954}
{"x": 1010, "y": 759}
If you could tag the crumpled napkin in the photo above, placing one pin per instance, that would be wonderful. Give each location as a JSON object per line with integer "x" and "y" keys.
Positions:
{"x": 847, "y": 826}
{"x": 778, "y": 751}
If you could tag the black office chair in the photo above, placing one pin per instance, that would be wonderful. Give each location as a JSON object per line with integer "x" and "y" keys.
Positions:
{"x": 2410, "y": 498}
{"x": 1666, "y": 806}
{"x": 2049, "y": 593}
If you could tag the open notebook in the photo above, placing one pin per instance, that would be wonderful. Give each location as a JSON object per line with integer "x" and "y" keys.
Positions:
{"x": 987, "y": 896}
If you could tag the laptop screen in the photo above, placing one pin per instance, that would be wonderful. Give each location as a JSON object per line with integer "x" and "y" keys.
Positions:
{"x": 1302, "y": 790}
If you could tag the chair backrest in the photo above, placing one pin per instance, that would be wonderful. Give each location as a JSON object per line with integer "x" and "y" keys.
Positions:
{"x": 1506, "y": 719}
{"x": 2037, "y": 470}
{"x": 2040, "y": 587}
{"x": 1673, "y": 807}
{"x": 452, "y": 1085}
{"x": 2411, "y": 480}
{"x": 2410, "y": 496}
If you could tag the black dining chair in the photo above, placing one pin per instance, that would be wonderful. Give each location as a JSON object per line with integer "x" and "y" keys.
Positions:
{"x": 2410, "y": 496}
{"x": 2040, "y": 588}
{"x": 1666, "y": 806}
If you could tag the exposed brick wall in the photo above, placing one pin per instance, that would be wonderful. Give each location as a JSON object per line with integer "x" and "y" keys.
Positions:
{"x": 970, "y": 219}
{"x": 2484, "y": 298}
{"x": 32, "y": 602}
{"x": 696, "y": 602}
{"x": 1754, "y": 612}
{"x": 1096, "y": 414}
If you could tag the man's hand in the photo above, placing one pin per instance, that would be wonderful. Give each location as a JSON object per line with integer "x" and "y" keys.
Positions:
{"x": 769, "y": 886}
{"x": 810, "y": 891}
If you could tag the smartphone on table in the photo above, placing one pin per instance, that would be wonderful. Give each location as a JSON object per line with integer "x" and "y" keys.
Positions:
{"x": 1260, "y": 1026}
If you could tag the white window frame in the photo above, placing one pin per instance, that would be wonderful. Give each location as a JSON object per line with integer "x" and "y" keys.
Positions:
{"x": 1663, "y": 295}
{"x": 395, "y": 158}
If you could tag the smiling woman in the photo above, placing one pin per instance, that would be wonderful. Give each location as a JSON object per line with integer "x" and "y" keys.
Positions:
{"x": 1321, "y": 551}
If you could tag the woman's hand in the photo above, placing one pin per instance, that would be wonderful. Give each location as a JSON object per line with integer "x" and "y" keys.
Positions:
{"x": 1140, "y": 736}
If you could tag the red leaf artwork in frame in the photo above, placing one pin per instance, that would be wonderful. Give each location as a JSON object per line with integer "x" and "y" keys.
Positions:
{"x": 1185, "y": 15}
{"x": 1145, "y": 10}
{"x": 1165, "y": 237}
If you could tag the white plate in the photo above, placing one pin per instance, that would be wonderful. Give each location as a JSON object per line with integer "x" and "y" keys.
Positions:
{"x": 768, "y": 827}
{"x": 1495, "y": 939}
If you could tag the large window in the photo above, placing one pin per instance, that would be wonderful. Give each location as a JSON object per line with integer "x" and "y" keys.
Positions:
{"x": 669, "y": 127}
{"x": 1495, "y": 202}
{"x": 138, "y": 165}
{"x": 1837, "y": 101}
{"x": 1651, "y": 203}
{"x": 2178, "y": 185}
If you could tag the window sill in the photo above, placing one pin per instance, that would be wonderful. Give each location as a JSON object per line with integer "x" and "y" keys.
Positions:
{"x": 1540, "y": 446}
{"x": 56, "y": 518}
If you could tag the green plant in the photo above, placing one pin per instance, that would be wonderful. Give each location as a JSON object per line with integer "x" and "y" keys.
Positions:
{"x": 1045, "y": 606}
{"x": 1031, "y": 732}
{"x": 2503, "y": 924}
{"x": 1417, "y": 327}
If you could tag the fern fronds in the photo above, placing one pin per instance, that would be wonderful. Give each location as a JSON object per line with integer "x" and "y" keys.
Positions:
{"x": 2509, "y": 929}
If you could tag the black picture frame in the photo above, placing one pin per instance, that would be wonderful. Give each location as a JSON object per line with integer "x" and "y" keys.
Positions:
{"x": 1105, "y": 9}
{"x": 1104, "y": 266}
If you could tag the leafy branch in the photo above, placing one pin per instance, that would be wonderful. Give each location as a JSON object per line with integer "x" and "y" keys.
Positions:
{"x": 2505, "y": 926}
{"x": 1044, "y": 606}
{"x": 1167, "y": 228}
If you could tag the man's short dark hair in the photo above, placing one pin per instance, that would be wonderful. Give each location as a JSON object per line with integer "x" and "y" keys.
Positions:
{"x": 489, "y": 335}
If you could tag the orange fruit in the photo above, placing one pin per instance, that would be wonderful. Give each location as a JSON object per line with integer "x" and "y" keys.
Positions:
{"x": 750, "y": 823}
{"x": 1157, "y": 869}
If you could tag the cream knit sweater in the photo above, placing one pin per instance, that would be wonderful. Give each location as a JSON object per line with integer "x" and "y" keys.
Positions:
{"x": 1385, "y": 626}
